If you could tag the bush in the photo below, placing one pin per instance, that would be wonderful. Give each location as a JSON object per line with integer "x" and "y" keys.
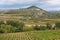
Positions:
{"x": 20, "y": 26}
{"x": 16, "y": 24}
{"x": 57, "y": 25}
{"x": 7, "y": 29}
{"x": 11, "y": 22}
{"x": 1, "y": 22}
{"x": 42, "y": 28}
{"x": 28, "y": 28}
{"x": 39, "y": 27}
{"x": 36, "y": 27}
{"x": 49, "y": 26}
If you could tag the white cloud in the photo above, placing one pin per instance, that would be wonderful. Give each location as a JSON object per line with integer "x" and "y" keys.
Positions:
{"x": 10, "y": 2}
{"x": 44, "y": 2}
{"x": 53, "y": 2}
{"x": 49, "y": 4}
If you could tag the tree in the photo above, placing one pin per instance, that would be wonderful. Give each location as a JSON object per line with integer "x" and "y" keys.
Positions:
{"x": 7, "y": 28}
{"x": 1, "y": 22}
{"x": 39, "y": 27}
{"x": 36, "y": 27}
{"x": 49, "y": 26}
{"x": 16, "y": 24}
{"x": 11, "y": 22}
{"x": 57, "y": 25}
{"x": 20, "y": 26}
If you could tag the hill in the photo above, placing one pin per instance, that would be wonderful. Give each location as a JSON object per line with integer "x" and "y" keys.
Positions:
{"x": 54, "y": 14}
{"x": 31, "y": 12}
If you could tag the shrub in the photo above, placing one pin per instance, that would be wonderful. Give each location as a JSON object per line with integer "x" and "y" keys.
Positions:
{"x": 7, "y": 28}
{"x": 39, "y": 27}
{"x": 17, "y": 24}
{"x": 1, "y": 22}
{"x": 49, "y": 26}
{"x": 11, "y": 22}
{"x": 28, "y": 28}
{"x": 20, "y": 26}
{"x": 42, "y": 28}
{"x": 57, "y": 25}
{"x": 36, "y": 27}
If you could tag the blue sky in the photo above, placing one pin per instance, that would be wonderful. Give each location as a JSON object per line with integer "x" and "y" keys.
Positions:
{"x": 44, "y": 4}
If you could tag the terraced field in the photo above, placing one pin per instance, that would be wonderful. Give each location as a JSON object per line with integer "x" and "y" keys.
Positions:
{"x": 33, "y": 35}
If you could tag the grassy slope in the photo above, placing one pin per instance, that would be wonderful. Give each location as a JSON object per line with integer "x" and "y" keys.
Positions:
{"x": 34, "y": 35}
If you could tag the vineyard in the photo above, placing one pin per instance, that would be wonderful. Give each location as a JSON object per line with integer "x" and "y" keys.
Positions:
{"x": 33, "y": 35}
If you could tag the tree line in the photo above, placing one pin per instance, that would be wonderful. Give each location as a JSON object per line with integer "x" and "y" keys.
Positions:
{"x": 11, "y": 26}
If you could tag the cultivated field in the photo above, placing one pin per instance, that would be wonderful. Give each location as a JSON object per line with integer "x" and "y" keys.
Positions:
{"x": 33, "y": 35}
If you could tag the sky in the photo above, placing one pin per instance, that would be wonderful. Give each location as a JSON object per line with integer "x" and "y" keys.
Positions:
{"x": 48, "y": 5}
